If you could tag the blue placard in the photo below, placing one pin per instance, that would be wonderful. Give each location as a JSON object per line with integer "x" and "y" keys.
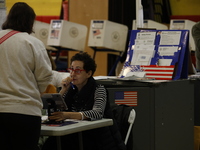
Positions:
{"x": 160, "y": 54}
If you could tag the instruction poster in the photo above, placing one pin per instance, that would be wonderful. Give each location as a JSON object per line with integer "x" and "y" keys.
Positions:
{"x": 157, "y": 54}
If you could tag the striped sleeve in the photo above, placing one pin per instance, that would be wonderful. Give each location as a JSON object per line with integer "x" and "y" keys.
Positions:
{"x": 100, "y": 98}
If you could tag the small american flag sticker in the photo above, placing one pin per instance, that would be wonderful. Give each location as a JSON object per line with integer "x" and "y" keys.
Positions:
{"x": 126, "y": 97}
{"x": 96, "y": 32}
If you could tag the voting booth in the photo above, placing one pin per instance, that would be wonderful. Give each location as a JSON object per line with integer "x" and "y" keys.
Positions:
{"x": 150, "y": 24}
{"x": 67, "y": 34}
{"x": 184, "y": 24}
{"x": 41, "y": 31}
{"x": 157, "y": 54}
{"x": 107, "y": 35}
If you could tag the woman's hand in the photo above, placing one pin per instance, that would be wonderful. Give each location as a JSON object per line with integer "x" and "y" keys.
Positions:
{"x": 58, "y": 116}
{"x": 65, "y": 85}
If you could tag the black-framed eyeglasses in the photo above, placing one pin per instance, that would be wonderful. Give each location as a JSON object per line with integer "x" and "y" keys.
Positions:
{"x": 76, "y": 71}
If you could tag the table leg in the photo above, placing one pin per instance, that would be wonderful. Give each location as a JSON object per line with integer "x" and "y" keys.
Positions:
{"x": 80, "y": 140}
{"x": 58, "y": 143}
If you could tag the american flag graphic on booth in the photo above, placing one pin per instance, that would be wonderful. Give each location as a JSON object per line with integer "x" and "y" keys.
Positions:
{"x": 126, "y": 97}
{"x": 96, "y": 32}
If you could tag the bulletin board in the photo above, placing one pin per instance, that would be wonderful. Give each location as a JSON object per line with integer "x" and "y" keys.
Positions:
{"x": 157, "y": 54}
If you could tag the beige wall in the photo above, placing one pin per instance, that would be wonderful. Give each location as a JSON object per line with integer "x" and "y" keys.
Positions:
{"x": 52, "y": 7}
{"x": 185, "y": 7}
{"x": 83, "y": 11}
{"x": 41, "y": 7}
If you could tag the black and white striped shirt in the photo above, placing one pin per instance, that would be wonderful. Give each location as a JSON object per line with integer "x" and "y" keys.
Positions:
{"x": 100, "y": 98}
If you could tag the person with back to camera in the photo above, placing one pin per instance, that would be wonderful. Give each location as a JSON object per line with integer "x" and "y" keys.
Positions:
{"x": 86, "y": 100}
{"x": 25, "y": 73}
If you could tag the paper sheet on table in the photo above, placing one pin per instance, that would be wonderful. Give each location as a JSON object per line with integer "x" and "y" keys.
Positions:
{"x": 138, "y": 74}
{"x": 130, "y": 71}
{"x": 104, "y": 77}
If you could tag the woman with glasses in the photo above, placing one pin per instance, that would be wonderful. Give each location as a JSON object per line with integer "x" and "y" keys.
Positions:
{"x": 79, "y": 90}
{"x": 86, "y": 100}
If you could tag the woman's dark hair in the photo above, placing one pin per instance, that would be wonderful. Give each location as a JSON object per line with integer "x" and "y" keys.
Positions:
{"x": 20, "y": 18}
{"x": 88, "y": 62}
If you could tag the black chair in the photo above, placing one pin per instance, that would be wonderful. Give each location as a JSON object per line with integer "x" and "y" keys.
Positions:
{"x": 125, "y": 117}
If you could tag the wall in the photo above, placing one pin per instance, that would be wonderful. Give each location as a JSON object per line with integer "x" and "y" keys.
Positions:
{"x": 90, "y": 9}
{"x": 52, "y": 7}
{"x": 185, "y": 7}
{"x": 41, "y": 7}
{"x": 44, "y": 9}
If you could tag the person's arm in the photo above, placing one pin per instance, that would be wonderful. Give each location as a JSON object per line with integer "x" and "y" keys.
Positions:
{"x": 97, "y": 111}
{"x": 94, "y": 114}
{"x": 59, "y": 116}
{"x": 58, "y": 77}
{"x": 65, "y": 85}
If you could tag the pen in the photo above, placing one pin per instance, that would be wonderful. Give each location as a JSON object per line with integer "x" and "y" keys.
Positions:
{"x": 72, "y": 86}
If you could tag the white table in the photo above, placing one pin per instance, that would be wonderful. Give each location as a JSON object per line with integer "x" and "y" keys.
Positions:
{"x": 73, "y": 128}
